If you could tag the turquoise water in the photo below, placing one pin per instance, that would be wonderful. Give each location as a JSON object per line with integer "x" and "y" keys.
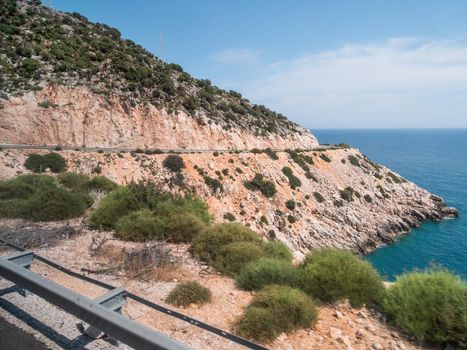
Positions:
{"x": 435, "y": 160}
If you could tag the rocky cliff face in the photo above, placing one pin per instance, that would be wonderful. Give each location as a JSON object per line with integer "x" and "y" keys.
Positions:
{"x": 69, "y": 82}
{"x": 349, "y": 202}
{"x": 67, "y": 116}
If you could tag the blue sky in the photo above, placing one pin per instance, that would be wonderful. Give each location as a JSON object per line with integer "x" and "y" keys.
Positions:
{"x": 324, "y": 64}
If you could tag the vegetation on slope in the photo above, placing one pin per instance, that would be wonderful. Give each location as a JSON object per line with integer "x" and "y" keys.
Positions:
{"x": 274, "y": 310}
{"x": 143, "y": 212}
{"x": 188, "y": 293}
{"x": 431, "y": 305}
{"x": 45, "y": 198}
{"x": 39, "y": 45}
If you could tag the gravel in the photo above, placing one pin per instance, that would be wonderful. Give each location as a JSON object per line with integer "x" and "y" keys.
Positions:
{"x": 47, "y": 323}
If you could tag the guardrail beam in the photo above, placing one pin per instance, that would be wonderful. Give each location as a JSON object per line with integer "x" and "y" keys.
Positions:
{"x": 112, "y": 323}
{"x": 113, "y": 300}
{"x": 23, "y": 259}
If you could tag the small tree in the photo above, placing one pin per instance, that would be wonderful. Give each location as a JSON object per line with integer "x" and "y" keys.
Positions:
{"x": 174, "y": 163}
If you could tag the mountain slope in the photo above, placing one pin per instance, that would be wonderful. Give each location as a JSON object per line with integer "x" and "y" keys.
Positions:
{"x": 66, "y": 81}
{"x": 42, "y": 51}
{"x": 341, "y": 199}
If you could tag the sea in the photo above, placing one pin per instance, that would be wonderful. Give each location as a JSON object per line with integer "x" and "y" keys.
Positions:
{"x": 435, "y": 160}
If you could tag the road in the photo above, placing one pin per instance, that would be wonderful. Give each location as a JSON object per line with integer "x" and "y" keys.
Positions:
{"x": 14, "y": 338}
{"x": 139, "y": 150}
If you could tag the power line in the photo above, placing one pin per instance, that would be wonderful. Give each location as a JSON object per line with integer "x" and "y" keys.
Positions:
{"x": 229, "y": 29}
{"x": 265, "y": 20}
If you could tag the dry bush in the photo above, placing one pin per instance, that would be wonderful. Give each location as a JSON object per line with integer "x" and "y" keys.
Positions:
{"x": 154, "y": 261}
{"x": 30, "y": 236}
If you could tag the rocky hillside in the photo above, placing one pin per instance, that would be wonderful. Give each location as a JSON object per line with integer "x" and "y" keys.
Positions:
{"x": 69, "y": 82}
{"x": 65, "y": 80}
{"x": 335, "y": 197}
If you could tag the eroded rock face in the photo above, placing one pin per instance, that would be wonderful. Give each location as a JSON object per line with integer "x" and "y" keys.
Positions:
{"x": 383, "y": 207}
{"x": 77, "y": 117}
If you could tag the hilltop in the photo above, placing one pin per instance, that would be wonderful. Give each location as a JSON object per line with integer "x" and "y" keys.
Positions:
{"x": 65, "y": 80}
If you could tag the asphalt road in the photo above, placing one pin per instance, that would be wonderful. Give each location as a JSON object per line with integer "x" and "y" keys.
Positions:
{"x": 14, "y": 338}
{"x": 122, "y": 149}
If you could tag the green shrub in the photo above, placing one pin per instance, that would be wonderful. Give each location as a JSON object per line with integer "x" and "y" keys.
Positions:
{"x": 338, "y": 203}
{"x": 176, "y": 220}
{"x": 39, "y": 163}
{"x": 208, "y": 243}
{"x": 54, "y": 204}
{"x": 214, "y": 184}
{"x": 319, "y": 198}
{"x": 231, "y": 258}
{"x": 183, "y": 218}
{"x": 274, "y": 310}
{"x": 40, "y": 198}
{"x": 139, "y": 226}
{"x": 82, "y": 183}
{"x": 271, "y": 153}
{"x": 298, "y": 158}
{"x": 430, "y": 305}
{"x": 308, "y": 159}
{"x": 394, "y": 178}
{"x": 73, "y": 181}
{"x": 265, "y": 271}
{"x": 180, "y": 218}
{"x": 266, "y": 187}
{"x": 333, "y": 275}
{"x": 174, "y": 163}
{"x": 347, "y": 194}
{"x": 184, "y": 206}
{"x": 368, "y": 198}
{"x": 277, "y": 250}
{"x": 229, "y": 216}
{"x": 353, "y": 160}
{"x": 324, "y": 157}
{"x": 188, "y": 293}
{"x": 290, "y": 204}
{"x": 382, "y": 191}
{"x": 310, "y": 176}
{"x": 102, "y": 183}
{"x": 291, "y": 219}
{"x": 97, "y": 169}
{"x": 115, "y": 205}
{"x": 294, "y": 181}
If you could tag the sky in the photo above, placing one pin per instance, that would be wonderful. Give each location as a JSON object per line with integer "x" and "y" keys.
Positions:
{"x": 323, "y": 64}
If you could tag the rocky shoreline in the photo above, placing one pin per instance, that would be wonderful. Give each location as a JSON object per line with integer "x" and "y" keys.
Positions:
{"x": 391, "y": 232}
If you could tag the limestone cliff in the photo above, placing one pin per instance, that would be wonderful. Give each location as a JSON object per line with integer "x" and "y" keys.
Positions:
{"x": 75, "y": 116}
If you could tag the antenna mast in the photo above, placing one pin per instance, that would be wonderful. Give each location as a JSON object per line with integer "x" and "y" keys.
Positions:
{"x": 161, "y": 47}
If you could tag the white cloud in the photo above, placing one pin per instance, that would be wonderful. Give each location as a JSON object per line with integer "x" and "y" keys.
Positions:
{"x": 400, "y": 82}
{"x": 236, "y": 56}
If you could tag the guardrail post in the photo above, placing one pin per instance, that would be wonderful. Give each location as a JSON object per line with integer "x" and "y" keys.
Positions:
{"x": 23, "y": 259}
{"x": 113, "y": 300}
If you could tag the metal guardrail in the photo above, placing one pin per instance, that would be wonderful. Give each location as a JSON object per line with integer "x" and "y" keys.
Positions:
{"x": 214, "y": 330}
{"x": 94, "y": 312}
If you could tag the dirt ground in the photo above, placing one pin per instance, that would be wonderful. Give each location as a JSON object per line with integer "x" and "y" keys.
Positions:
{"x": 338, "y": 327}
